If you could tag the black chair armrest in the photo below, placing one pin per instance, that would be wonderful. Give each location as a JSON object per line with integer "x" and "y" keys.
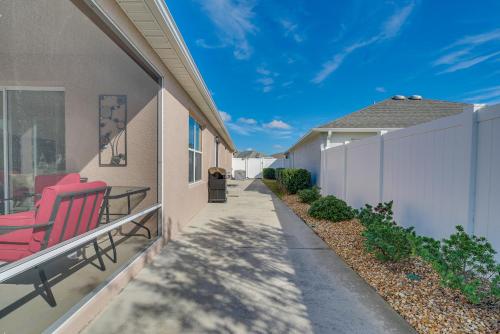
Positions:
{"x": 22, "y": 227}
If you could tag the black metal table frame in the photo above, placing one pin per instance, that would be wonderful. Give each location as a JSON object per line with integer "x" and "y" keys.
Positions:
{"x": 140, "y": 223}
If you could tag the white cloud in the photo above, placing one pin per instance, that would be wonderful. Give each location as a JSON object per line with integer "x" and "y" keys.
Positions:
{"x": 225, "y": 116}
{"x": 245, "y": 120}
{"x": 462, "y": 56}
{"x": 266, "y": 81}
{"x": 233, "y": 18}
{"x": 290, "y": 58}
{"x": 278, "y": 147}
{"x": 393, "y": 25}
{"x": 262, "y": 70}
{"x": 489, "y": 95}
{"x": 478, "y": 39}
{"x": 241, "y": 129}
{"x": 451, "y": 57}
{"x": 287, "y": 83}
{"x": 329, "y": 67}
{"x": 248, "y": 126}
{"x": 464, "y": 64}
{"x": 203, "y": 44}
{"x": 381, "y": 89}
{"x": 277, "y": 124}
{"x": 291, "y": 30}
{"x": 390, "y": 29}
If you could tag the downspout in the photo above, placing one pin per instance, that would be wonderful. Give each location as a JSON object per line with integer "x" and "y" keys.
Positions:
{"x": 217, "y": 141}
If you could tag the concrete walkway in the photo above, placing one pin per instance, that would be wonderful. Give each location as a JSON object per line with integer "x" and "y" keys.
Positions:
{"x": 248, "y": 266}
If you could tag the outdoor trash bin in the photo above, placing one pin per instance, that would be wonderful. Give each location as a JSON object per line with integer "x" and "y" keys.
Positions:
{"x": 217, "y": 185}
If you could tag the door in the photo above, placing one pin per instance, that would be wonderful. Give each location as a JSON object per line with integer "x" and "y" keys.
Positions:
{"x": 33, "y": 142}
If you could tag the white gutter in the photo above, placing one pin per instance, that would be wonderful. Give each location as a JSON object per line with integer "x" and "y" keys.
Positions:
{"x": 353, "y": 129}
{"x": 341, "y": 130}
{"x": 303, "y": 138}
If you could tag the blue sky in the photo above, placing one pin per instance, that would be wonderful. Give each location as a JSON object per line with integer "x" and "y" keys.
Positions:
{"x": 278, "y": 68}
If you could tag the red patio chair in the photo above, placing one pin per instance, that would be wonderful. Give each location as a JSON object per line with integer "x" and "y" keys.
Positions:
{"x": 63, "y": 212}
{"x": 44, "y": 181}
{"x": 41, "y": 182}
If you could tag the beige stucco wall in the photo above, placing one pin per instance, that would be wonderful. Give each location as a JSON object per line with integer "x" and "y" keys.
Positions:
{"x": 181, "y": 200}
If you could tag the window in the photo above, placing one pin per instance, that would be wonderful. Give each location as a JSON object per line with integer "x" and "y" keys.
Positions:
{"x": 194, "y": 150}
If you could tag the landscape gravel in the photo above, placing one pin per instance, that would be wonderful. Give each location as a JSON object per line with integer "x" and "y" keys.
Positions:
{"x": 412, "y": 287}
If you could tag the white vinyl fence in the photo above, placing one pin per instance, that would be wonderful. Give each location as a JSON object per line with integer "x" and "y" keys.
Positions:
{"x": 253, "y": 167}
{"x": 440, "y": 174}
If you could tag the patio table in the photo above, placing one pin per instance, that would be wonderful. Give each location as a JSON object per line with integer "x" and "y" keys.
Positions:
{"x": 119, "y": 192}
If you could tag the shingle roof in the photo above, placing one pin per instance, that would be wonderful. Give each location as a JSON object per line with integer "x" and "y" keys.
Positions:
{"x": 392, "y": 113}
{"x": 248, "y": 154}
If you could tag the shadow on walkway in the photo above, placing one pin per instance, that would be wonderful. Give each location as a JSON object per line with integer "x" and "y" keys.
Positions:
{"x": 252, "y": 267}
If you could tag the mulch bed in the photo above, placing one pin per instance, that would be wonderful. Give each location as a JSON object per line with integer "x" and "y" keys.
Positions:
{"x": 425, "y": 304}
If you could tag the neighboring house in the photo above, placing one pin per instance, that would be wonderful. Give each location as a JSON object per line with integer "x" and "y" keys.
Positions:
{"x": 248, "y": 154}
{"x": 279, "y": 155}
{"x": 388, "y": 115}
{"x": 106, "y": 89}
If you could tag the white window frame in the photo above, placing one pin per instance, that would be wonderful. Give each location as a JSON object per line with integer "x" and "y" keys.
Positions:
{"x": 197, "y": 127}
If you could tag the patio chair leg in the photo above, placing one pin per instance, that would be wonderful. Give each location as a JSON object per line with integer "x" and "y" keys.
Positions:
{"x": 115, "y": 257}
{"x": 99, "y": 256}
{"x": 49, "y": 297}
{"x": 140, "y": 225}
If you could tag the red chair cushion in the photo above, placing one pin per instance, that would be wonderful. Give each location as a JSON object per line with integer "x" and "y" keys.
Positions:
{"x": 44, "y": 181}
{"x": 83, "y": 221}
{"x": 15, "y": 245}
{"x": 17, "y": 219}
{"x": 70, "y": 219}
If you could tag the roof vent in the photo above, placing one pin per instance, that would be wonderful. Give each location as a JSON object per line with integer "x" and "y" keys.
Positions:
{"x": 399, "y": 97}
{"x": 415, "y": 97}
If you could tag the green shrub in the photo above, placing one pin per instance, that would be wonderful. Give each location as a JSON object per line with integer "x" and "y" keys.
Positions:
{"x": 269, "y": 173}
{"x": 295, "y": 179}
{"x": 309, "y": 195}
{"x": 427, "y": 248}
{"x": 462, "y": 261}
{"x": 468, "y": 263}
{"x": 379, "y": 214}
{"x": 331, "y": 208}
{"x": 277, "y": 173}
{"x": 388, "y": 241}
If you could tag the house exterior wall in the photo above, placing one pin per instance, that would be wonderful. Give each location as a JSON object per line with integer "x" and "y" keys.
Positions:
{"x": 177, "y": 107}
{"x": 307, "y": 155}
{"x": 335, "y": 138}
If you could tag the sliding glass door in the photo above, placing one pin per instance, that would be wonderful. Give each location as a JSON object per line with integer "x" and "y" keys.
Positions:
{"x": 33, "y": 142}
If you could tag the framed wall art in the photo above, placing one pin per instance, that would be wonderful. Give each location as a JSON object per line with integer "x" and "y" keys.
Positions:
{"x": 112, "y": 130}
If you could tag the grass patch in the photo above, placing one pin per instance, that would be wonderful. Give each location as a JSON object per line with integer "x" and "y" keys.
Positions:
{"x": 274, "y": 187}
